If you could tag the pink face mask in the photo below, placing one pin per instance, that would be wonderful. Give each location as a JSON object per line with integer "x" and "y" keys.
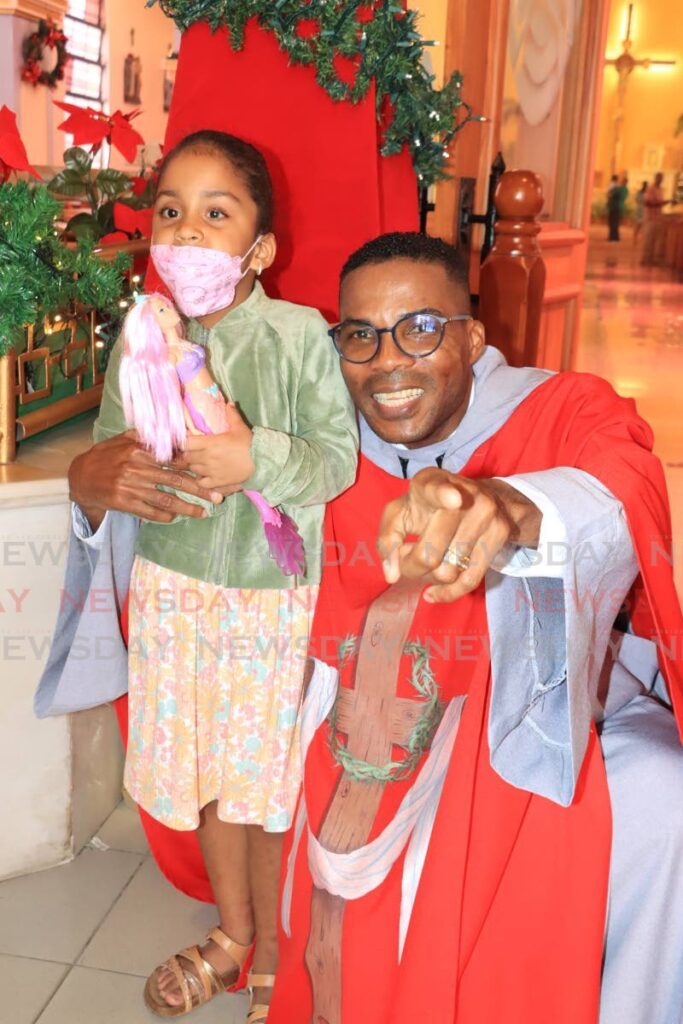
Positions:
{"x": 200, "y": 280}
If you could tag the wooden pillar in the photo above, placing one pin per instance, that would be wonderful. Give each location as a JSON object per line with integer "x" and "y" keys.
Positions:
{"x": 512, "y": 279}
{"x": 8, "y": 406}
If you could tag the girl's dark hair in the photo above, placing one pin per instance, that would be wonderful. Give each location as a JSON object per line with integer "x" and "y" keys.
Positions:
{"x": 245, "y": 158}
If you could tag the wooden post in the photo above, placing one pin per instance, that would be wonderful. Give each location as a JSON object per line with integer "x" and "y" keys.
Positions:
{"x": 512, "y": 279}
{"x": 476, "y": 45}
{"x": 8, "y": 406}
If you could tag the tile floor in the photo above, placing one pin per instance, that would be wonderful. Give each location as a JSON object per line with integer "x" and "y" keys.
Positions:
{"x": 77, "y": 942}
{"x": 632, "y": 334}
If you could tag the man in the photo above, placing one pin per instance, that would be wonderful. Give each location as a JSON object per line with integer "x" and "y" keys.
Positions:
{"x": 654, "y": 203}
{"x": 508, "y": 926}
{"x": 487, "y": 903}
{"x": 617, "y": 194}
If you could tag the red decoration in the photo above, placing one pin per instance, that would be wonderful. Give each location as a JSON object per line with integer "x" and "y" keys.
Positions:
{"x": 307, "y": 28}
{"x": 129, "y": 220}
{"x": 48, "y": 35}
{"x": 13, "y": 155}
{"x": 139, "y": 184}
{"x": 91, "y": 127}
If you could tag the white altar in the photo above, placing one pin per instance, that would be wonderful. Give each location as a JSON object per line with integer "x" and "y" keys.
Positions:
{"x": 61, "y": 776}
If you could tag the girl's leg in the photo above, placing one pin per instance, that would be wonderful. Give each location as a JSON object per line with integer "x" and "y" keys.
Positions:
{"x": 265, "y": 855}
{"x": 225, "y": 851}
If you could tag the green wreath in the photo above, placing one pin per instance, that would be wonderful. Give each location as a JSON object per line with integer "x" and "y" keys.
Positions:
{"x": 47, "y": 35}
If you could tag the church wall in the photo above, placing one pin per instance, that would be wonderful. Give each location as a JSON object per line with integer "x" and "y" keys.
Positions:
{"x": 654, "y": 97}
{"x": 154, "y": 33}
{"x": 432, "y": 25}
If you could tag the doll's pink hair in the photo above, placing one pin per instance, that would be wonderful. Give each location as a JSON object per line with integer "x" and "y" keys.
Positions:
{"x": 150, "y": 389}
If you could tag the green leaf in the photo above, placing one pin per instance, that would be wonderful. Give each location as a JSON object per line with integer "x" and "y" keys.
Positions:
{"x": 105, "y": 218}
{"x": 78, "y": 158}
{"x": 85, "y": 227}
{"x": 68, "y": 182}
{"x": 112, "y": 183}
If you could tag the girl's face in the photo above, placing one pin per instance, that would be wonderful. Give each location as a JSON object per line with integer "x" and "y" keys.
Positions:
{"x": 203, "y": 201}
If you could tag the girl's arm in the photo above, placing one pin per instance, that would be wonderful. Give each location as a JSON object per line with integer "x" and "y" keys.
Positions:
{"x": 319, "y": 461}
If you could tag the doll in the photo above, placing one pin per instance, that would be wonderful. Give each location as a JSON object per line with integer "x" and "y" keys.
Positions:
{"x": 167, "y": 391}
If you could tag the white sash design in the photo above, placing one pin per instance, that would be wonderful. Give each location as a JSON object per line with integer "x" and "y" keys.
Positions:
{"x": 354, "y": 874}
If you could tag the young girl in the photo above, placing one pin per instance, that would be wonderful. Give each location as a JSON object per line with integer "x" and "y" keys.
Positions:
{"x": 217, "y": 633}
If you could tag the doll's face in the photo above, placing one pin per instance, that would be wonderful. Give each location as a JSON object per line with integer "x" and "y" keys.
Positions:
{"x": 165, "y": 314}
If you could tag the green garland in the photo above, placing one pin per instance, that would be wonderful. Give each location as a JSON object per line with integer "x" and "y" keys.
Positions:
{"x": 38, "y": 273}
{"x": 382, "y": 39}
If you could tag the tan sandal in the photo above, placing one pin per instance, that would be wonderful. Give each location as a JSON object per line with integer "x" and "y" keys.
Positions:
{"x": 200, "y": 981}
{"x": 258, "y": 1012}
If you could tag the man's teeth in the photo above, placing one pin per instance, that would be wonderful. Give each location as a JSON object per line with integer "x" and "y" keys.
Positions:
{"x": 397, "y": 397}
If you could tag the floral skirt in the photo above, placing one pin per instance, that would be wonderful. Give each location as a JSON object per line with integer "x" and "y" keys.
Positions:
{"x": 215, "y": 688}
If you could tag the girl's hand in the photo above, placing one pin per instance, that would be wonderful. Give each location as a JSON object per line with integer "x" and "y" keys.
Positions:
{"x": 222, "y": 462}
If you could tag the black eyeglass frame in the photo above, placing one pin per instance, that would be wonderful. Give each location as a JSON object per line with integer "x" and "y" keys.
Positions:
{"x": 379, "y": 331}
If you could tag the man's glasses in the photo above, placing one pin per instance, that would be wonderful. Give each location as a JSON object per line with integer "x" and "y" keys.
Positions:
{"x": 416, "y": 335}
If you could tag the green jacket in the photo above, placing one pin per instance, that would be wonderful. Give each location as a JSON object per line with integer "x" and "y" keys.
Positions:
{"x": 275, "y": 360}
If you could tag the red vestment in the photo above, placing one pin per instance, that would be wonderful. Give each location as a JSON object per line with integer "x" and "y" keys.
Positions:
{"x": 509, "y": 919}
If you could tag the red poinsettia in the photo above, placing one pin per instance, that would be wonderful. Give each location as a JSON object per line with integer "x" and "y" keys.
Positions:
{"x": 127, "y": 221}
{"x": 91, "y": 127}
{"x": 130, "y": 220}
{"x": 12, "y": 150}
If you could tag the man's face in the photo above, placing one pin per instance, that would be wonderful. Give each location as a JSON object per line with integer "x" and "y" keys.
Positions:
{"x": 381, "y": 294}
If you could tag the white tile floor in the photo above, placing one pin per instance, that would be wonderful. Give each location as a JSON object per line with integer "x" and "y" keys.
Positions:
{"x": 77, "y": 942}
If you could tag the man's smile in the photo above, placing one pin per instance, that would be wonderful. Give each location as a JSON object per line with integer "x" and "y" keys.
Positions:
{"x": 397, "y": 399}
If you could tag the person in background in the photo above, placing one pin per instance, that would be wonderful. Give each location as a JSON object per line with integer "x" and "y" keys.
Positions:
{"x": 639, "y": 200}
{"x": 654, "y": 203}
{"x": 617, "y": 194}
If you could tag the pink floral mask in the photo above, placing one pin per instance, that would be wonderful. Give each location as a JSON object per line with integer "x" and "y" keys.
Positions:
{"x": 200, "y": 280}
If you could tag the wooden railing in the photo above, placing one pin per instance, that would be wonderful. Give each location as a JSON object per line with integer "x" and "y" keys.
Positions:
{"x": 512, "y": 278}
{"x": 67, "y": 358}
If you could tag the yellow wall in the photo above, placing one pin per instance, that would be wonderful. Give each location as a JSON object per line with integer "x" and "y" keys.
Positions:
{"x": 432, "y": 25}
{"x": 654, "y": 98}
{"x": 153, "y": 34}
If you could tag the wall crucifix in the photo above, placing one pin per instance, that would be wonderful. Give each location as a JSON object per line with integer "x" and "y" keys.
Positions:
{"x": 625, "y": 64}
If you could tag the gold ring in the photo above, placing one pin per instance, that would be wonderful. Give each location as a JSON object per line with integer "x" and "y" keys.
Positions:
{"x": 453, "y": 557}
